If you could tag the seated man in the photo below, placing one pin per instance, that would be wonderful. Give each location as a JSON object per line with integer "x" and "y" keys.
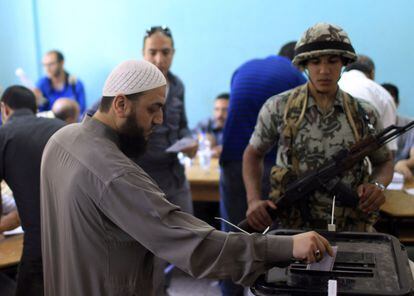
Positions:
{"x": 213, "y": 126}
{"x": 58, "y": 83}
{"x": 310, "y": 124}
{"x": 404, "y": 157}
{"x": 66, "y": 109}
{"x": 10, "y": 217}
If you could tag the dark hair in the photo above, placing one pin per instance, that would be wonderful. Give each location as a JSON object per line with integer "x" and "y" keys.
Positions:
{"x": 163, "y": 29}
{"x": 106, "y": 102}
{"x": 19, "y": 97}
{"x": 59, "y": 55}
{"x": 393, "y": 90}
{"x": 367, "y": 62}
{"x": 358, "y": 66}
{"x": 288, "y": 50}
{"x": 224, "y": 96}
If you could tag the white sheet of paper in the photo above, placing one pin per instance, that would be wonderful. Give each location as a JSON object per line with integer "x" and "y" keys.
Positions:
{"x": 395, "y": 186}
{"x": 397, "y": 182}
{"x": 181, "y": 144}
{"x": 397, "y": 178}
{"x": 410, "y": 191}
{"x": 17, "y": 230}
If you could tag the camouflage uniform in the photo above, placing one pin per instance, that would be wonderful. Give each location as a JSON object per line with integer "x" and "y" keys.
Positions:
{"x": 319, "y": 136}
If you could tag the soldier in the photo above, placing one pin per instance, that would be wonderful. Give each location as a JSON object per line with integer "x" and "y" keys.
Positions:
{"x": 310, "y": 124}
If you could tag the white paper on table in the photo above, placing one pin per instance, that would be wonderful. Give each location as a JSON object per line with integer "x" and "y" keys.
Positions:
{"x": 410, "y": 191}
{"x": 397, "y": 182}
{"x": 181, "y": 145}
{"x": 395, "y": 186}
{"x": 397, "y": 178}
{"x": 17, "y": 230}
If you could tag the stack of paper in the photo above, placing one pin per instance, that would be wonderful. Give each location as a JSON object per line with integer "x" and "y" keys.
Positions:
{"x": 397, "y": 182}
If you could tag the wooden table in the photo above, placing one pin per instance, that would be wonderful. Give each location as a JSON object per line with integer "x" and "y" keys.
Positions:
{"x": 204, "y": 183}
{"x": 399, "y": 209}
{"x": 11, "y": 250}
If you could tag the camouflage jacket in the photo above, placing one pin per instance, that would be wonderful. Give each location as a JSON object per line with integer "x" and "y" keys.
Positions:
{"x": 319, "y": 136}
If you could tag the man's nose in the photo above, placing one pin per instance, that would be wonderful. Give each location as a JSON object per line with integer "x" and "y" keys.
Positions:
{"x": 158, "y": 119}
{"x": 324, "y": 68}
{"x": 159, "y": 59}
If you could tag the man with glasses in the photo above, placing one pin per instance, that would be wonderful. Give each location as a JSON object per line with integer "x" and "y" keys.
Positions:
{"x": 163, "y": 167}
{"x": 58, "y": 83}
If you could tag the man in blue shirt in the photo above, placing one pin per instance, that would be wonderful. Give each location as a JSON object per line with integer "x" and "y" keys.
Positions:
{"x": 252, "y": 84}
{"x": 213, "y": 126}
{"x": 58, "y": 83}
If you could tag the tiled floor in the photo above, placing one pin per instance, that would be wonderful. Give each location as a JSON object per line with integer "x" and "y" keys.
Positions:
{"x": 184, "y": 285}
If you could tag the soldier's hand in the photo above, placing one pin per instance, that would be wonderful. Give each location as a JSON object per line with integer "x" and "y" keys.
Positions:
{"x": 310, "y": 246}
{"x": 371, "y": 197}
{"x": 257, "y": 215}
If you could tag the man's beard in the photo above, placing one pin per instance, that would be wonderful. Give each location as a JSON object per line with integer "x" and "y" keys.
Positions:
{"x": 131, "y": 138}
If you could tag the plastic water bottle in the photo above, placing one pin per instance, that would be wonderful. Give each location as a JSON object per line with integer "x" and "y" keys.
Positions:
{"x": 23, "y": 78}
{"x": 204, "y": 151}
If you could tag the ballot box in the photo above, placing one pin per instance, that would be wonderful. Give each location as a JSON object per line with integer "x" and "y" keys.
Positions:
{"x": 365, "y": 264}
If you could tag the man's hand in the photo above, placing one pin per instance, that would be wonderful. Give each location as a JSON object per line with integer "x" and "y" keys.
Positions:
{"x": 402, "y": 167}
{"x": 257, "y": 215}
{"x": 371, "y": 197}
{"x": 191, "y": 150}
{"x": 309, "y": 245}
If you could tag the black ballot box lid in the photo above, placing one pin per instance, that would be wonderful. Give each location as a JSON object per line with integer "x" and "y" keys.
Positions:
{"x": 366, "y": 264}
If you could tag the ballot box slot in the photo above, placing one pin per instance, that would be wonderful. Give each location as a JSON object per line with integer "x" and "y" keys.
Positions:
{"x": 365, "y": 264}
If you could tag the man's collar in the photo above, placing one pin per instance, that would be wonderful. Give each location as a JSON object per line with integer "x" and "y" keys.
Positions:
{"x": 338, "y": 101}
{"x": 21, "y": 112}
{"x": 100, "y": 128}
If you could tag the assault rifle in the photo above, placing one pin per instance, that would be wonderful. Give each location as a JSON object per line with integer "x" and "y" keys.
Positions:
{"x": 328, "y": 176}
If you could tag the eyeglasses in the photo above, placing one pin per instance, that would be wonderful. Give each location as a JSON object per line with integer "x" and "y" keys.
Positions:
{"x": 155, "y": 29}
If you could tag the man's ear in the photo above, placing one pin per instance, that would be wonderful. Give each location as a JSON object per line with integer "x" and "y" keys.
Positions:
{"x": 5, "y": 112}
{"x": 121, "y": 106}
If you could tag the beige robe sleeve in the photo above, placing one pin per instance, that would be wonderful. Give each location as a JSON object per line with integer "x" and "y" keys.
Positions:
{"x": 138, "y": 207}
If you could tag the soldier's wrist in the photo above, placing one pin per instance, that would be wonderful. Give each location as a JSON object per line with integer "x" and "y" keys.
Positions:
{"x": 379, "y": 185}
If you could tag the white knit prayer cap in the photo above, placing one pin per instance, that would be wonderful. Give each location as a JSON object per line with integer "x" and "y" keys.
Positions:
{"x": 131, "y": 77}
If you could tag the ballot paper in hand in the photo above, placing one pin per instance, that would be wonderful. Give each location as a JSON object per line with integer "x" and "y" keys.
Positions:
{"x": 327, "y": 262}
{"x": 182, "y": 144}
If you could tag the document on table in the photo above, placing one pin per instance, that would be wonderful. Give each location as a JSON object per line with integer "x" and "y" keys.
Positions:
{"x": 17, "y": 230}
{"x": 181, "y": 144}
{"x": 397, "y": 182}
{"x": 410, "y": 191}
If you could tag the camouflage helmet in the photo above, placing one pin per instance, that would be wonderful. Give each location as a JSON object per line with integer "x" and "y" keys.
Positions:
{"x": 323, "y": 39}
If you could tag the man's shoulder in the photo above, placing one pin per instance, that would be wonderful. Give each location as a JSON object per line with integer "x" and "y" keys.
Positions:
{"x": 43, "y": 82}
{"x": 367, "y": 106}
{"x": 205, "y": 124}
{"x": 278, "y": 102}
{"x": 174, "y": 79}
{"x": 74, "y": 80}
{"x": 269, "y": 61}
